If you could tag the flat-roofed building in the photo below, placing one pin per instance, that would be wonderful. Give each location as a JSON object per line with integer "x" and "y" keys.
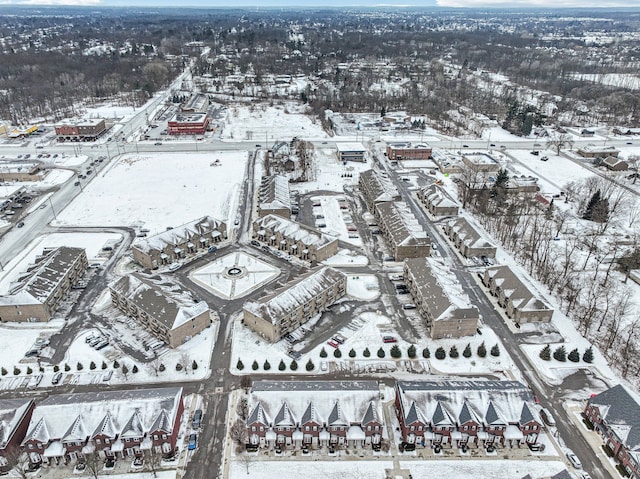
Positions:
{"x": 169, "y": 313}
{"x": 274, "y": 197}
{"x": 439, "y": 299}
{"x": 197, "y": 103}
{"x": 408, "y": 151}
{"x": 437, "y": 201}
{"x": 40, "y": 290}
{"x": 480, "y": 161}
{"x": 286, "y": 309}
{"x": 351, "y": 152}
{"x": 86, "y": 129}
{"x": 594, "y": 151}
{"x": 402, "y": 231}
{"x": 179, "y": 242}
{"x": 188, "y": 124}
{"x": 296, "y": 239}
{"x": 515, "y": 297}
{"x": 468, "y": 240}
{"x": 11, "y": 171}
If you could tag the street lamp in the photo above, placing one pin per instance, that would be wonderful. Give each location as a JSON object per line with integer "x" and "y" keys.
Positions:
{"x": 53, "y": 209}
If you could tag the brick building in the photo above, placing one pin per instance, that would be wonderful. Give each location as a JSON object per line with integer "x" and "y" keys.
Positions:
{"x": 188, "y": 124}
{"x": 15, "y": 415}
{"x": 467, "y": 239}
{"x": 89, "y": 129}
{"x": 408, "y": 151}
{"x": 437, "y": 201}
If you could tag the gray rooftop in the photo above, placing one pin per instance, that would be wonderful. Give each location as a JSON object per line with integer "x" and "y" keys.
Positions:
{"x": 621, "y": 411}
{"x": 267, "y": 385}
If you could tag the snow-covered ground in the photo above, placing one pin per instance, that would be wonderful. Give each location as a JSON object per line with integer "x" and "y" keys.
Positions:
{"x": 330, "y": 174}
{"x": 335, "y": 221}
{"x": 160, "y": 190}
{"x": 345, "y": 257}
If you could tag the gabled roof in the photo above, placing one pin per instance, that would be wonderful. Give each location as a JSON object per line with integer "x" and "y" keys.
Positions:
{"x": 12, "y": 413}
{"x": 38, "y": 432}
{"x": 133, "y": 427}
{"x": 441, "y": 416}
{"x": 77, "y": 431}
{"x": 468, "y": 234}
{"x": 493, "y": 416}
{"x": 528, "y": 415}
{"x": 371, "y": 415}
{"x": 619, "y": 408}
{"x": 105, "y": 427}
{"x": 161, "y": 423}
{"x": 336, "y": 417}
{"x": 310, "y": 415}
{"x": 179, "y": 234}
{"x": 467, "y": 414}
{"x": 414, "y": 415}
{"x": 294, "y": 230}
{"x": 258, "y": 416}
{"x": 284, "y": 417}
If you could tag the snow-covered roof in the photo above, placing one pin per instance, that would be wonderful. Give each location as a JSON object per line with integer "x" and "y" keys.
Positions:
{"x": 401, "y": 224}
{"x": 80, "y": 122}
{"x": 348, "y": 147}
{"x": 469, "y": 235}
{"x": 294, "y": 294}
{"x": 457, "y": 402}
{"x": 12, "y": 413}
{"x": 42, "y": 279}
{"x": 376, "y": 188}
{"x": 438, "y": 197}
{"x": 439, "y": 290}
{"x": 178, "y": 235}
{"x": 407, "y": 145}
{"x": 293, "y": 230}
{"x": 274, "y": 193}
{"x": 621, "y": 411}
{"x": 515, "y": 290}
{"x": 160, "y": 299}
{"x": 107, "y": 412}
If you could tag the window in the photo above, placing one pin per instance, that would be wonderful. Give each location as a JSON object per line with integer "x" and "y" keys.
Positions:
{"x": 253, "y": 428}
{"x": 262, "y": 428}
{"x": 306, "y": 428}
{"x": 98, "y": 441}
{"x": 412, "y": 428}
{"x": 164, "y": 436}
{"x": 107, "y": 441}
{"x": 30, "y": 446}
{"x": 368, "y": 428}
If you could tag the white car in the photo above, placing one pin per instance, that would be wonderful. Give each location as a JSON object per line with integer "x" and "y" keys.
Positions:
{"x": 573, "y": 459}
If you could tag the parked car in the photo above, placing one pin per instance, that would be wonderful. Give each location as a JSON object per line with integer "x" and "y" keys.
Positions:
{"x": 547, "y": 417}
{"x": 323, "y": 366}
{"x": 158, "y": 143}
{"x": 573, "y": 459}
{"x": 20, "y": 225}
{"x": 294, "y": 354}
{"x": 332, "y": 343}
{"x": 409, "y": 306}
{"x": 255, "y": 243}
{"x": 337, "y": 339}
{"x": 56, "y": 378}
{"x": 389, "y": 339}
{"x": 197, "y": 418}
{"x": 107, "y": 375}
{"x": 212, "y": 249}
{"x": 193, "y": 439}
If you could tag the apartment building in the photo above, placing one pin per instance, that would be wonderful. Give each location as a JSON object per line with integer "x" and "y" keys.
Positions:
{"x": 401, "y": 230}
{"x": 437, "y": 201}
{"x": 439, "y": 299}
{"x": 44, "y": 285}
{"x": 408, "y": 151}
{"x": 376, "y": 189}
{"x": 188, "y": 124}
{"x": 274, "y": 197}
{"x": 15, "y": 415}
{"x": 351, "y": 152}
{"x": 468, "y": 240}
{"x": 170, "y": 314}
{"x": 297, "y": 302}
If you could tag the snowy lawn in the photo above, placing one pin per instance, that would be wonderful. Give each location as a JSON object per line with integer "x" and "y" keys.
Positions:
{"x": 159, "y": 191}
{"x": 345, "y": 257}
{"x": 363, "y": 286}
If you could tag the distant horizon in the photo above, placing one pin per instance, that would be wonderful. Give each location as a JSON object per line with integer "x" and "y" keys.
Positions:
{"x": 302, "y": 4}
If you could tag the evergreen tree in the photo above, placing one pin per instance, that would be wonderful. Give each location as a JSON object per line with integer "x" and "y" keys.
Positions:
{"x": 574, "y": 356}
{"x": 453, "y": 352}
{"x": 79, "y": 366}
{"x": 4, "y": 372}
{"x": 467, "y": 351}
{"x": 366, "y": 353}
{"x": 546, "y": 353}
{"x": 162, "y": 368}
{"x": 282, "y": 366}
{"x": 92, "y": 365}
{"x": 495, "y": 351}
{"x": 104, "y": 365}
{"x": 125, "y": 370}
{"x": 395, "y": 351}
{"x": 239, "y": 365}
{"x": 294, "y": 365}
{"x": 16, "y": 371}
{"x": 56, "y": 368}
{"x": 179, "y": 367}
{"x": 255, "y": 365}
{"x": 267, "y": 365}
{"x": 310, "y": 366}
{"x": 482, "y": 350}
{"x": 426, "y": 353}
{"x": 116, "y": 364}
{"x": 587, "y": 357}
{"x": 29, "y": 370}
{"x": 67, "y": 367}
{"x": 381, "y": 353}
{"x": 134, "y": 369}
{"x": 411, "y": 351}
{"x": 441, "y": 353}
{"x": 597, "y": 208}
{"x": 560, "y": 354}
{"x": 323, "y": 353}
{"x": 337, "y": 353}
{"x": 194, "y": 365}
{"x": 352, "y": 353}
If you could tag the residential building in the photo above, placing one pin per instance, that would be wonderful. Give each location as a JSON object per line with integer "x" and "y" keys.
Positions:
{"x": 437, "y": 201}
{"x": 315, "y": 414}
{"x": 402, "y": 231}
{"x": 439, "y": 299}
{"x": 480, "y": 161}
{"x": 351, "y": 152}
{"x": 515, "y": 297}
{"x": 188, "y": 124}
{"x": 170, "y": 314}
{"x": 283, "y": 311}
{"x": 296, "y": 239}
{"x": 615, "y": 415}
{"x": 112, "y": 424}
{"x": 178, "y": 243}
{"x": 614, "y": 163}
{"x": 408, "y": 151}
{"x": 15, "y": 415}
{"x": 376, "y": 188}
{"x": 40, "y": 290}
{"x": 594, "y": 151}
{"x": 466, "y": 414}
{"x": 86, "y": 129}
{"x": 274, "y": 197}
{"x": 467, "y": 239}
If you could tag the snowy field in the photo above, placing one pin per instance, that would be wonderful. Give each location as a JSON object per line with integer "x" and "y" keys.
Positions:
{"x": 160, "y": 190}
{"x": 330, "y": 174}
{"x": 345, "y": 257}
{"x": 265, "y": 124}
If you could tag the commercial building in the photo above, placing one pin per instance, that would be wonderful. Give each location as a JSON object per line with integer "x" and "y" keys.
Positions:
{"x": 402, "y": 231}
{"x": 594, "y": 151}
{"x": 112, "y": 424}
{"x": 408, "y": 151}
{"x": 439, "y": 299}
{"x": 304, "y": 242}
{"x": 312, "y": 415}
{"x": 274, "y": 197}
{"x": 188, "y": 124}
{"x": 615, "y": 415}
{"x": 466, "y": 414}
{"x": 283, "y": 311}
{"x": 197, "y": 103}
{"x": 15, "y": 415}
{"x": 437, "y": 201}
{"x": 515, "y": 297}
{"x": 351, "y": 152}
{"x": 10, "y": 171}
{"x": 40, "y": 290}
{"x": 479, "y": 161}
{"x": 179, "y": 242}
{"x": 468, "y": 240}
{"x": 170, "y": 314}
{"x": 88, "y": 129}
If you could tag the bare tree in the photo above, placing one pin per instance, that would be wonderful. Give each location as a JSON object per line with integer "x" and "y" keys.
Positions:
{"x": 152, "y": 461}
{"x": 17, "y": 461}
{"x": 558, "y": 141}
{"x": 243, "y": 408}
{"x": 94, "y": 463}
{"x": 245, "y": 458}
{"x": 239, "y": 432}
{"x": 156, "y": 364}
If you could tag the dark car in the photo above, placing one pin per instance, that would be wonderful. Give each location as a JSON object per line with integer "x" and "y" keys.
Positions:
{"x": 197, "y": 418}
{"x": 255, "y": 243}
{"x": 20, "y": 225}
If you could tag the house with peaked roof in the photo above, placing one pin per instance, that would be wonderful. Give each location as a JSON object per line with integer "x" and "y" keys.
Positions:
{"x": 112, "y": 424}
{"x": 376, "y": 189}
{"x": 39, "y": 291}
{"x": 283, "y": 311}
{"x": 274, "y": 197}
{"x": 515, "y": 297}
{"x": 401, "y": 230}
{"x": 615, "y": 415}
{"x": 15, "y": 415}
{"x": 170, "y": 314}
{"x": 466, "y": 414}
{"x": 467, "y": 239}
{"x": 439, "y": 298}
{"x": 437, "y": 201}
{"x": 312, "y": 415}
{"x": 296, "y": 239}
{"x": 179, "y": 242}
